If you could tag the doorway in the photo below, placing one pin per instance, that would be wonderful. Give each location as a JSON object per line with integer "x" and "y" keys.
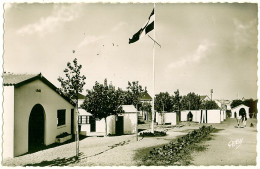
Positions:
{"x": 92, "y": 122}
{"x": 120, "y": 125}
{"x": 36, "y": 128}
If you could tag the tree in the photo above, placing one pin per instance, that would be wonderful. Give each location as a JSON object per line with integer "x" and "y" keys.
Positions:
{"x": 103, "y": 101}
{"x": 163, "y": 102}
{"x": 209, "y": 105}
{"x": 134, "y": 91}
{"x": 236, "y": 103}
{"x": 176, "y": 101}
{"x": 71, "y": 86}
{"x": 190, "y": 102}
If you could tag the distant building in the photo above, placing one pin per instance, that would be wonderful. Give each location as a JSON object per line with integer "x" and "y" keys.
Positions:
{"x": 124, "y": 123}
{"x": 239, "y": 110}
{"x": 34, "y": 113}
{"x": 204, "y": 116}
{"x": 204, "y": 98}
{"x": 145, "y": 98}
{"x": 224, "y": 104}
{"x": 166, "y": 118}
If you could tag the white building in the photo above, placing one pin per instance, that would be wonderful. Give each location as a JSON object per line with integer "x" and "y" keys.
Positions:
{"x": 166, "y": 118}
{"x": 224, "y": 104}
{"x": 34, "y": 113}
{"x": 204, "y": 116}
{"x": 236, "y": 111}
{"x": 125, "y": 123}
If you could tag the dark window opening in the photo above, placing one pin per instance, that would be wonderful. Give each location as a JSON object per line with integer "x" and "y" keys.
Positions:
{"x": 61, "y": 117}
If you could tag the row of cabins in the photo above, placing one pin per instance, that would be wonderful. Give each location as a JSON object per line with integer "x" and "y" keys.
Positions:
{"x": 35, "y": 113}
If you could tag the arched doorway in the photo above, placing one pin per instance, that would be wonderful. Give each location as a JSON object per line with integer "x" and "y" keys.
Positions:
{"x": 242, "y": 112}
{"x": 36, "y": 128}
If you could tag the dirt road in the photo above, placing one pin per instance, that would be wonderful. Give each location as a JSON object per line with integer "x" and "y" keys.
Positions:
{"x": 230, "y": 146}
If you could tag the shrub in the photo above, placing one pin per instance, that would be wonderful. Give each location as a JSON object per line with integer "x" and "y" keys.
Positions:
{"x": 155, "y": 134}
{"x": 175, "y": 151}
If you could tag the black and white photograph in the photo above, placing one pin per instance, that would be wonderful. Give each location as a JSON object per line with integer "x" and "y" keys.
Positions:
{"x": 129, "y": 83}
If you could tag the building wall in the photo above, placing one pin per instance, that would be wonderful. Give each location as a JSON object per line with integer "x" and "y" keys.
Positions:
{"x": 26, "y": 98}
{"x": 237, "y": 111}
{"x": 8, "y": 122}
{"x": 169, "y": 117}
{"x": 195, "y": 113}
{"x": 100, "y": 126}
{"x": 214, "y": 116}
{"x": 130, "y": 123}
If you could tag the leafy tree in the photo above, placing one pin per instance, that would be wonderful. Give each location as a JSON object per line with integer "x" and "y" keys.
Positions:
{"x": 134, "y": 92}
{"x": 176, "y": 100}
{"x": 71, "y": 86}
{"x": 209, "y": 104}
{"x": 103, "y": 101}
{"x": 127, "y": 97}
{"x": 163, "y": 102}
{"x": 190, "y": 101}
{"x": 236, "y": 103}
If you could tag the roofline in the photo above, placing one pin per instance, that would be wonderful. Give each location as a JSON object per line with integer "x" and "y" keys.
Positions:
{"x": 47, "y": 82}
{"x": 240, "y": 105}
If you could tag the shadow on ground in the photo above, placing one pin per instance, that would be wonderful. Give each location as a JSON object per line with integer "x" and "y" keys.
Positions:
{"x": 73, "y": 159}
{"x": 36, "y": 148}
{"x": 58, "y": 161}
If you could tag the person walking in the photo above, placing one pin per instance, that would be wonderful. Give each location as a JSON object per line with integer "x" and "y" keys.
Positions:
{"x": 244, "y": 119}
{"x": 239, "y": 117}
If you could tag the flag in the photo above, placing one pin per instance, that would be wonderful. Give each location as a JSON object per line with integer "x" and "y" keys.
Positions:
{"x": 149, "y": 26}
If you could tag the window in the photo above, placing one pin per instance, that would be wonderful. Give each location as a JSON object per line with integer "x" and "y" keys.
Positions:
{"x": 83, "y": 119}
{"x": 61, "y": 117}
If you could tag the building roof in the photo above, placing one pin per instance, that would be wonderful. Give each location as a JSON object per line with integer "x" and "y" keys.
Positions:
{"x": 10, "y": 79}
{"x": 129, "y": 108}
{"x": 83, "y": 112}
{"x": 204, "y": 97}
{"x": 17, "y": 80}
{"x": 145, "y": 97}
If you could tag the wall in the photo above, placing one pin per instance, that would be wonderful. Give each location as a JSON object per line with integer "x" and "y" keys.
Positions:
{"x": 159, "y": 118}
{"x": 8, "y": 122}
{"x": 169, "y": 117}
{"x": 213, "y": 116}
{"x": 26, "y": 98}
{"x": 237, "y": 111}
{"x": 195, "y": 113}
{"x": 85, "y": 129}
{"x": 130, "y": 123}
{"x": 100, "y": 125}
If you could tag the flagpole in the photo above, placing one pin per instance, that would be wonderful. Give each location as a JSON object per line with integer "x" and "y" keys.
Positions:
{"x": 153, "y": 74}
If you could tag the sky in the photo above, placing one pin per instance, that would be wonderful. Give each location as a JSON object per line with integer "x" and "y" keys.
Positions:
{"x": 203, "y": 46}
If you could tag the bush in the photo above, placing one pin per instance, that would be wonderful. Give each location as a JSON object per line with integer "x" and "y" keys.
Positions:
{"x": 155, "y": 134}
{"x": 174, "y": 151}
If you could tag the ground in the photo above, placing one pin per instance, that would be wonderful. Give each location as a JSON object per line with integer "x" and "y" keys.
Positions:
{"x": 229, "y": 146}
